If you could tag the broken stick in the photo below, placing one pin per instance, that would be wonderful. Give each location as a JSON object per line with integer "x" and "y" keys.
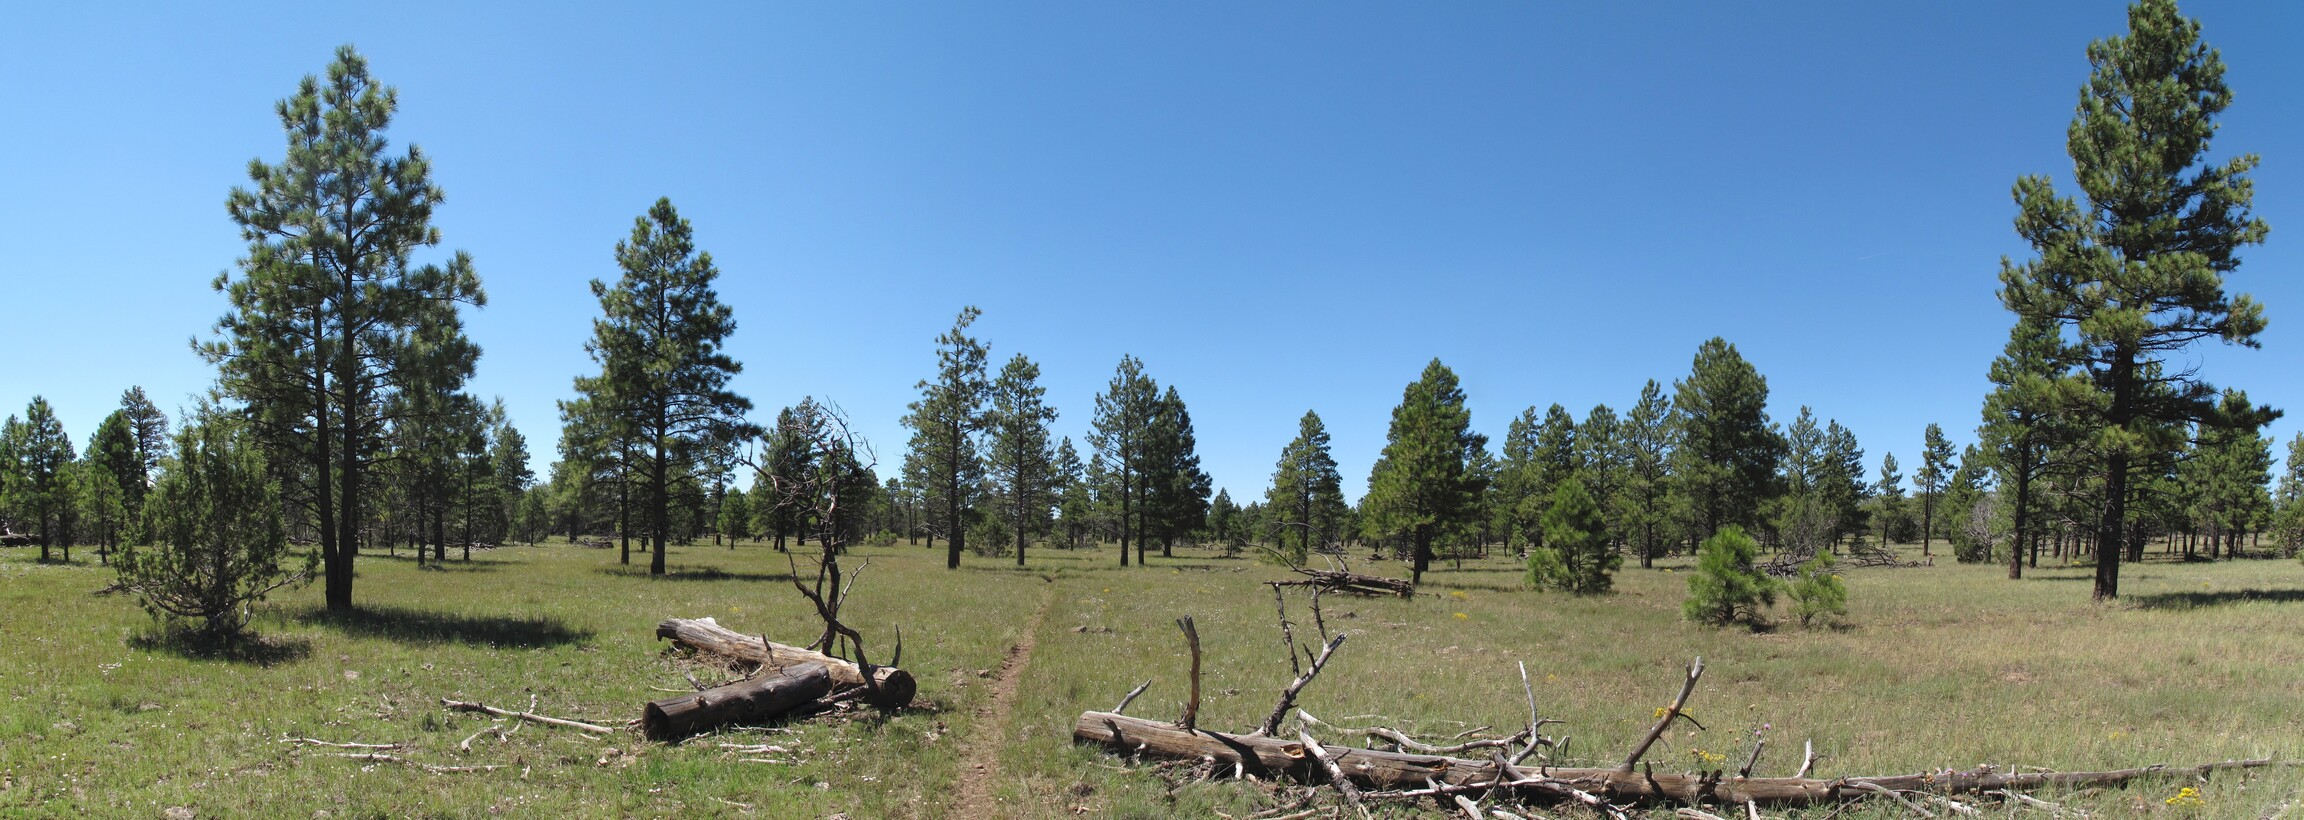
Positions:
{"x": 462, "y": 706}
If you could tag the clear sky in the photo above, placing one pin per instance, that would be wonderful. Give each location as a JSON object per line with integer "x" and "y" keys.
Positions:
{"x": 1277, "y": 206}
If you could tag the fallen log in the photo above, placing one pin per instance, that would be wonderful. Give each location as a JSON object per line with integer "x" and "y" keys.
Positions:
{"x": 1269, "y": 757}
{"x": 888, "y": 687}
{"x": 1340, "y": 581}
{"x": 760, "y": 698}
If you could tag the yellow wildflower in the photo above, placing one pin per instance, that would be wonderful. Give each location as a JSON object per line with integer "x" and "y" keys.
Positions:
{"x": 2187, "y": 797}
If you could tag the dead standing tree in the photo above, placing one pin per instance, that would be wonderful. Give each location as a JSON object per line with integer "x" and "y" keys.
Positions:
{"x": 823, "y": 494}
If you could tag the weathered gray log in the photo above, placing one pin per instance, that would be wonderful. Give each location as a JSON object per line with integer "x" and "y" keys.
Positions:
{"x": 1270, "y": 757}
{"x": 771, "y": 694}
{"x": 1339, "y": 581}
{"x": 890, "y": 687}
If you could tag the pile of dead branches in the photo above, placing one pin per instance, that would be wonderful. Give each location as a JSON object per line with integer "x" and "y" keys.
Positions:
{"x": 1504, "y": 782}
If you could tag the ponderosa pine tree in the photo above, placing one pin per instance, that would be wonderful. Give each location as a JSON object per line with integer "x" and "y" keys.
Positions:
{"x": 1890, "y": 489}
{"x": 1023, "y": 460}
{"x": 1122, "y": 436}
{"x": 1644, "y": 507}
{"x": 1307, "y": 494}
{"x": 1726, "y": 451}
{"x": 1842, "y": 484}
{"x": 329, "y": 301}
{"x": 113, "y": 481}
{"x": 150, "y": 426}
{"x": 2288, "y": 501}
{"x": 1936, "y": 467}
{"x": 39, "y": 475}
{"x": 1600, "y": 460}
{"x": 1516, "y": 476}
{"x": 1576, "y": 555}
{"x": 1421, "y": 487}
{"x": 661, "y": 345}
{"x": 1554, "y": 460}
{"x": 2134, "y": 272}
{"x": 1075, "y": 496}
{"x": 945, "y": 421}
{"x": 2021, "y": 428}
{"x": 1176, "y": 489}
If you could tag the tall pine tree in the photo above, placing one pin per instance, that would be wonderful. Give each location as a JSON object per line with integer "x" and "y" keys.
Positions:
{"x": 329, "y": 301}
{"x": 2134, "y": 271}
{"x": 1422, "y": 487}
{"x": 661, "y": 344}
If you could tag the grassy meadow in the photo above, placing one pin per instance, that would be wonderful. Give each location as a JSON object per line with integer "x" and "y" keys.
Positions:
{"x": 1939, "y": 666}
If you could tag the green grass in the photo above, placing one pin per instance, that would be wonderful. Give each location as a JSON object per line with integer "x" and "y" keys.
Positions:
{"x": 1941, "y": 666}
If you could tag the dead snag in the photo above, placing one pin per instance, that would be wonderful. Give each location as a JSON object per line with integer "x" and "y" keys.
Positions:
{"x": 760, "y": 698}
{"x": 1288, "y": 696}
{"x": 1664, "y": 720}
{"x": 1191, "y": 707}
{"x": 889, "y": 686}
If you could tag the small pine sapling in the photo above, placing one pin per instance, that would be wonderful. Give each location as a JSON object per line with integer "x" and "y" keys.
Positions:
{"x": 1817, "y": 594}
{"x": 1726, "y": 586}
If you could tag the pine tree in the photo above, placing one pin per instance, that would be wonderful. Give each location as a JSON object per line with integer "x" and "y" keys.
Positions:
{"x": 945, "y": 422}
{"x": 1122, "y": 436}
{"x": 1967, "y": 506}
{"x": 1890, "y": 489}
{"x": 2020, "y": 427}
{"x": 1576, "y": 556}
{"x": 1023, "y": 460}
{"x": 40, "y": 480}
{"x": 1307, "y": 491}
{"x": 2134, "y": 272}
{"x": 1421, "y": 487}
{"x": 661, "y": 344}
{"x": 1075, "y": 503}
{"x": 1935, "y": 469}
{"x": 1600, "y": 462}
{"x": 150, "y": 427}
{"x": 329, "y": 306}
{"x": 2288, "y": 513}
{"x": 1176, "y": 489}
{"x": 1842, "y": 482}
{"x": 1804, "y": 516}
{"x": 113, "y": 481}
{"x": 1644, "y": 511}
{"x": 1726, "y": 586}
{"x": 1818, "y": 594}
{"x": 217, "y": 535}
{"x": 1725, "y": 455}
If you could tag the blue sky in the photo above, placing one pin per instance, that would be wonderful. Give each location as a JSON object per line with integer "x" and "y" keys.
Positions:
{"x": 1278, "y": 207}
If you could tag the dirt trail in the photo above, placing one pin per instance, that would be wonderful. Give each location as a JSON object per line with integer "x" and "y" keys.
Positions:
{"x": 980, "y": 754}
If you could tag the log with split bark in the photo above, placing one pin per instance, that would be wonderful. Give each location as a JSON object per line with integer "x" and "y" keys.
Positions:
{"x": 772, "y": 694}
{"x": 886, "y": 687}
{"x": 1269, "y": 757}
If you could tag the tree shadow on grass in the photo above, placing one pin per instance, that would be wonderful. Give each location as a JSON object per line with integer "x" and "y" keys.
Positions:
{"x": 420, "y": 627}
{"x": 451, "y": 564}
{"x": 2195, "y": 600}
{"x": 246, "y": 648}
{"x": 678, "y": 572}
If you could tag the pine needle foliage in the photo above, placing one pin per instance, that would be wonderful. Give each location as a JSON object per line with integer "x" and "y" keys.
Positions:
{"x": 1576, "y": 556}
{"x": 1727, "y": 587}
